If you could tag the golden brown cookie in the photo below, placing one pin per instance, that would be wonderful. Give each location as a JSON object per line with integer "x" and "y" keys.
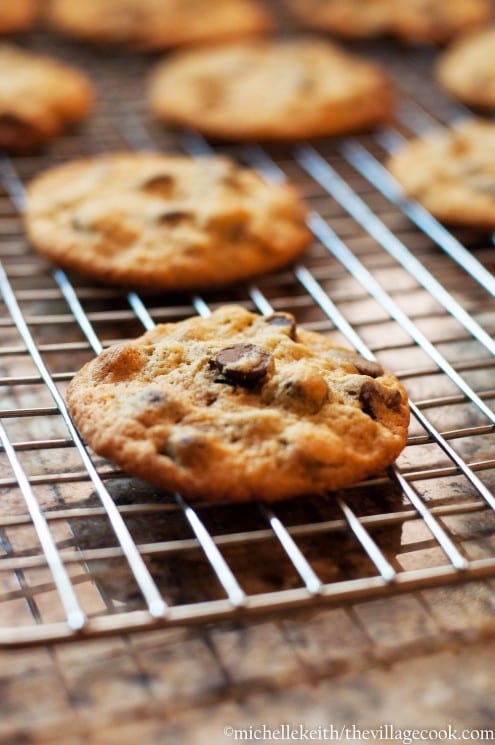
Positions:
{"x": 237, "y": 406}
{"x": 424, "y": 21}
{"x": 17, "y": 15}
{"x": 39, "y": 97}
{"x": 452, "y": 173}
{"x": 164, "y": 221}
{"x": 270, "y": 90}
{"x": 157, "y": 24}
{"x": 467, "y": 69}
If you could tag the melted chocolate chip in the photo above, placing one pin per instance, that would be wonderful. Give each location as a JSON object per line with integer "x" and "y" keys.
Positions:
{"x": 285, "y": 320}
{"x": 306, "y": 396}
{"x": 367, "y": 397}
{"x": 235, "y": 232}
{"x": 186, "y": 446}
{"x": 372, "y": 395}
{"x": 363, "y": 366}
{"x": 161, "y": 185}
{"x": 242, "y": 364}
{"x": 153, "y": 404}
{"x": 367, "y": 367}
{"x": 153, "y": 397}
{"x": 231, "y": 181}
{"x": 174, "y": 218}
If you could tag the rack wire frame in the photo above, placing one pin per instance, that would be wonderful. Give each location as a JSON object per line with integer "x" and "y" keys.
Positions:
{"x": 51, "y": 586}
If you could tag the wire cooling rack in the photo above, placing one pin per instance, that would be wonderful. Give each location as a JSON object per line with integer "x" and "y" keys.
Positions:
{"x": 86, "y": 551}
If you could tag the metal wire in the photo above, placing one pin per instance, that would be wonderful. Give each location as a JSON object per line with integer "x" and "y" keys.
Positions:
{"x": 75, "y": 616}
{"x": 358, "y": 270}
{"x": 371, "y": 169}
{"x": 51, "y": 318}
{"x": 156, "y": 605}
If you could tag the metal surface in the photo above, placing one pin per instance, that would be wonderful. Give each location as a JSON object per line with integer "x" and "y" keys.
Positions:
{"x": 86, "y": 551}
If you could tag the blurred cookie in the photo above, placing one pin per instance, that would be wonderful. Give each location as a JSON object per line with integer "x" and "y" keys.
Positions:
{"x": 39, "y": 97}
{"x": 239, "y": 407}
{"x": 270, "y": 90}
{"x": 164, "y": 221}
{"x": 467, "y": 69}
{"x": 17, "y": 15}
{"x": 452, "y": 174}
{"x": 347, "y": 18}
{"x": 156, "y": 24}
{"x": 424, "y": 21}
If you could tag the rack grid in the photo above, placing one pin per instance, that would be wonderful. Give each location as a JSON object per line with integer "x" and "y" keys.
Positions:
{"x": 85, "y": 551}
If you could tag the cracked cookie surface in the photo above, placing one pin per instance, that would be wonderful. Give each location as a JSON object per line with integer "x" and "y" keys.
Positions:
{"x": 425, "y": 21}
{"x": 452, "y": 173}
{"x": 39, "y": 97}
{"x": 270, "y": 90}
{"x": 162, "y": 221}
{"x": 156, "y": 24}
{"x": 239, "y": 406}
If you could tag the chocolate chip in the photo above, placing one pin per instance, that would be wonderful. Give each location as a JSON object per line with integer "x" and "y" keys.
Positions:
{"x": 153, "y": 404}
{"x": 285, "y": 320}
{"x": 372, "y": 395}
{"x": 235, "y": 232}
{"x": 209, "y": 398}
{"x": 233, "y": 182}
{"x": 305, "y": 392}
{"x": 392, "y": 398}
{"x": 243, "y": 364}
{"x": 364, "y": 366}
{"x": 367, "y": 397}
{"x": 152, "y": 396}
{"x": 368, "y": 367}
{"x": 114, "y": 234}
{"x": 161, "y": 185}
{"x": 186, "y": 446}
{"x": 174, "y": 218}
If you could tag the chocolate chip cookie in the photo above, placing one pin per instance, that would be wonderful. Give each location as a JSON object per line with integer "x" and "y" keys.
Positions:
{"x": 17, "y": 15}
{"x": 156, "y": 24}
{"x": 467, "y": 69}
{"x": 270, "y": 90}
{"x": 238, "y": 407}
{"x": 452, "y": 173}
{"x": 39, "y": 97}
{"x": 160, "y": 221}
{"x": 425, "y": 21}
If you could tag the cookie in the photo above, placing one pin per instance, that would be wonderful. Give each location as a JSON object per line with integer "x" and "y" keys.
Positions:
{"x": 452, "y": 174}
{"x": 39, "y": 97}
{"x": 346, "y": 18}
{"x": 270, "y": 90}
{"x": 426, "y": 21}
{"x": 157, "y": 24}
{"x": 238, "y": 406}
{"x": 467, "y": 69}
{"x": 164, "y": 221}
{"x": 17, "y": 16}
